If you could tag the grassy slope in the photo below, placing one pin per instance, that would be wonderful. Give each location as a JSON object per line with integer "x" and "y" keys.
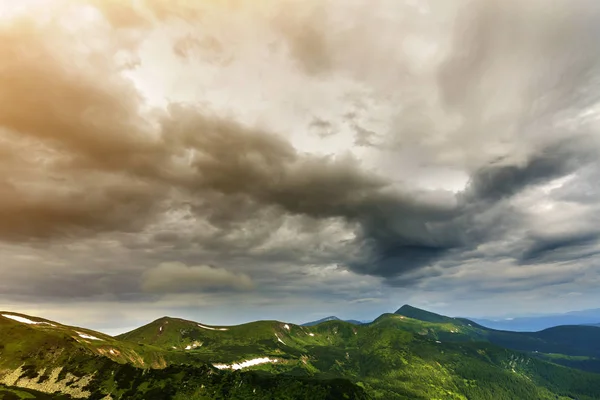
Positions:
{"x": 393, "y": 357}
{"x": 16, "y": 393}
{"x": 56, "y": 358}
{"x": 575, "y": 346}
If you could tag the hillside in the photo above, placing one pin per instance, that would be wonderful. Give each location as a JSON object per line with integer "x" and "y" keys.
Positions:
{"x": 45, "y": 356}
{"x": 576, "y": 346}
{"x": 423, "y": 315}
{"x": 394, "y": 357}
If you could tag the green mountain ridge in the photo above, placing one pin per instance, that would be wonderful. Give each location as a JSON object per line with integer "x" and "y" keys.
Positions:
{"x": 48, "y": 357}
{"x": 397, "y": 356}
{"x": 576, "y": 346}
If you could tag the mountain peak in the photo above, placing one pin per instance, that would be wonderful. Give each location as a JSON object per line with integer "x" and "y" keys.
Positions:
{"x": 405, "y": 307}
{"x": 422, "y": 315}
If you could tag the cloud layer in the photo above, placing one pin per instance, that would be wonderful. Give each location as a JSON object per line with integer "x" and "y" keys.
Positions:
{"x": 391, "y": 144}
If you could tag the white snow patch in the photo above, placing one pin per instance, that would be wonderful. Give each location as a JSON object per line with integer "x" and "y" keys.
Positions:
{"x": 25, "y": 320}
{"x": 212, "y": 329}
{"x": 286, "y": 326}
{"x": 311, "y": 334}
{"x": 246, "y": 364}
{"x": 279, "y": 340}
{"x": 160, "y": 329}
{"x": 86, "y": 336}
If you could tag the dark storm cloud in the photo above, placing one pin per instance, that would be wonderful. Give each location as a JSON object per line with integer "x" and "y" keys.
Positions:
{"x": 561, "y": 248}
{"x": 483, "y": 214}
{"x": 496, "y": 181}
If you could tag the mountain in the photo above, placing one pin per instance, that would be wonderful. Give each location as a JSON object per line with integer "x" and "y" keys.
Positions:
{"x": 393, "y": 357}
{"x": 333, "y": 318}
{"x": 45, "y": 356}
{"x": 576, "y": 346}
{"x": 422, "y": 315}
{"x": 537, "y": 323}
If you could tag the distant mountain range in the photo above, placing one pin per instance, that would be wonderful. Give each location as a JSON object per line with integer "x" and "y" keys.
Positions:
{"x": 536, "y": 323}
{"x": 521, "y": 324}
{"x": 410, "y": 354}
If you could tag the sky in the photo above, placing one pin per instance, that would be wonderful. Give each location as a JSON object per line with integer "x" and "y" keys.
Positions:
{"x": 232, "y": 160}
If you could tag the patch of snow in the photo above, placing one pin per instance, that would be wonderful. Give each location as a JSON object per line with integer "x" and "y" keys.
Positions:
{"x": 437, "y": 341}
{"x": 286, "y": 326}
{"x": 279, "y": 340}
{"x": 160, "y": 329}
{"x": 86, "y": 336}
{"x": 246, "y": 364}
{"x": 311, "y": 334}
{"x": 212, "y": 329}
{"x": 25, "y": 320}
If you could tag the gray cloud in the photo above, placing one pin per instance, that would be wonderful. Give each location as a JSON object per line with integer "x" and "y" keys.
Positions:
{"x": 504, "y": 93}
{"x": 176, "y": 277}
{"x": 494, "y": 182}
{"x": 563, "y": 248}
